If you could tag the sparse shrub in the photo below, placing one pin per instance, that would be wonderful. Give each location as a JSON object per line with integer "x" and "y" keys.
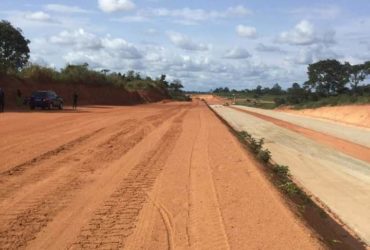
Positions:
{"x": 281, "y": 170}
{"x": 39, "y": 73}
{"x": 264, "y": 155}
{"x": 290, "y": 188}
{"x": 279, "y": 101}
{"x": 256, "y": 145}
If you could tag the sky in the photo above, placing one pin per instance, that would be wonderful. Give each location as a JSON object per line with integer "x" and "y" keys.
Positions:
{"x": 204, "y": 43}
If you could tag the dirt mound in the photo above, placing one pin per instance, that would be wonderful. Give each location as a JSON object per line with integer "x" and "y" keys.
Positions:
{"x": 88, "y": 94}
{"x": 358, "y": 115}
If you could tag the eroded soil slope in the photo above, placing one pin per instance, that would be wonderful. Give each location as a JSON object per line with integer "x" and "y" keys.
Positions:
{"x": 358, "y": 115}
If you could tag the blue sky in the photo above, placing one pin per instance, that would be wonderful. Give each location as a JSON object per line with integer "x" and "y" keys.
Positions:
{"x": 204, "y": 43}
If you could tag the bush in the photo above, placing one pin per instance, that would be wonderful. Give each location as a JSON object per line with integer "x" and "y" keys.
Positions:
{"x": 256, "y": 145}
{"x": 39, "y": 73}
{"x": 264, "y": 155}
{"x": 279, "y": 101}
{"x": 290, "y": 188}
{"x": 281, "y": 171}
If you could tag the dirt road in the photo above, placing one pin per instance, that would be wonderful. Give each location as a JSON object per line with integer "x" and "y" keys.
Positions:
{"x": 321, "y": 156}
{"x": 159, "y": 176}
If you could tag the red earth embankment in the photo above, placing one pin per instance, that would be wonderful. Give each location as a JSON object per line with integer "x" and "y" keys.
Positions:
{"x": 88, "y": 94}
{"x": 358, "y": 115}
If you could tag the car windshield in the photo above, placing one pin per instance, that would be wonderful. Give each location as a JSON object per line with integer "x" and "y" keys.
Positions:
{"x": 40, "y": 94}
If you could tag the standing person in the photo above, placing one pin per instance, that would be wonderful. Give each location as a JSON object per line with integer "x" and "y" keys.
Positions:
{"x": 19, "y": 98}
{"x": 75, "y": 99}
{"x": 2, "y": 100}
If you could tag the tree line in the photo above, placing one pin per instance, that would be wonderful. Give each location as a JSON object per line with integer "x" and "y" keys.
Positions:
{"x": 326, "y": 78}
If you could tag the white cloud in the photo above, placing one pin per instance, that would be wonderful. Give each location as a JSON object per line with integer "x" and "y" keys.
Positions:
{"x": 304, "y": 33}
{"x": 246, "y": 31}
{"x": 78, "y": 38}
{"x": 190, "y": 16}
{"x": 186, "y": 43}
{"x": 239, "y": 10}
{"x": 237, "y": 53}
{"x": 61, "y": 8}
{"x": 268, "y": 48}
{"x": 38, "y": 16}
{"x": 115, "y": 5}
{"x": 320, "y": 12}
{"x": 151, "y": 31}
{"x": 314, "y": 53}
{"x": 121, "y": 47}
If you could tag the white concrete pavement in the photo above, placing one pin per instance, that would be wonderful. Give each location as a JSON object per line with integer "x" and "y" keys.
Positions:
{"x": 338, "y": 180}
{"x": 359, "y": 135}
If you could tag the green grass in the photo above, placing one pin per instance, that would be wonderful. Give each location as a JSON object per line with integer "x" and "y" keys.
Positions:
{"x": 334, "y": 101}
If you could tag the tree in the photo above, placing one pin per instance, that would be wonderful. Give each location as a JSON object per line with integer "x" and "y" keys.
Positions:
{"x": 258, "y": 90}
{"x": 357, "y": 73}
{"x": 327, "y": 77}
{"x": 176, "y": 85}
{"x": 296, "y": 94}
{"x": 14, "y": 51}
{"x": 162, "y": 81}
{"x": 276, "y": 89}
{"x": 105, "y": 71}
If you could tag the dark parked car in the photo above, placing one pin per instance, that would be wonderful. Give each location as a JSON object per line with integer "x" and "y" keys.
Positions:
{"x": 45, "y": 99}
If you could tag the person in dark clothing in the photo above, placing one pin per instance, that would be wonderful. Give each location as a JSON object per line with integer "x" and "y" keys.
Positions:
{"x": 75, "y": 99}
{"x": 2, "y": 100}
{"x": 18, "y": 99}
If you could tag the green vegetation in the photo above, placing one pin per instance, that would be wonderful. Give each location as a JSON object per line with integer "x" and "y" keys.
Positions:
{"x": 14, "y": 51}
{"x": 256, "y": 146}
{"x": 82, "y": 74}
{"x": 330, "y": 83}
{"x": 281, "y": 174}
{"x": 14, "y": 56}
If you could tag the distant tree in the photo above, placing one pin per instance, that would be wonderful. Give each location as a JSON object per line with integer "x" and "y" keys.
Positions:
{"x": 357, "y": 74}
{"x": 266, "y": 91}
{"x": 296, "y": 94}
{"x": 14, "y": 50}
{"x": 137, "y": 76}
{"x": 258, "y": 90}
{"x": 105, "y": 71}
{"x": 130, "y": 75}
{"x": 367, "y": 67}
{"x": 276, "y": 89}
{"x": 327, "y": 77}
{"x": 176, "y": 85}
{"x": 162, "y": 80}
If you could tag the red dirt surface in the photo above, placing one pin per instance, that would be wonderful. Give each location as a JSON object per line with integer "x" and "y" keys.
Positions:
{"x": 350, "y": 148}
{"x": 158, "y": 176}
{"x": 358, "y": 115}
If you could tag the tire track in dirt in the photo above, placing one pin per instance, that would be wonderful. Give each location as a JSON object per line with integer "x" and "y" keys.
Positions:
{"x": 117, "y": 218}
{"x": 34, "y": 213}
{"x": 10, "y": 182}
{"x": 206, "y": 228}
{"x": 19, "y": 169}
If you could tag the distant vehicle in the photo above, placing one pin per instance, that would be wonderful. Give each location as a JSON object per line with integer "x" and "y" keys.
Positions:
{"x": 45, "y": 100}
